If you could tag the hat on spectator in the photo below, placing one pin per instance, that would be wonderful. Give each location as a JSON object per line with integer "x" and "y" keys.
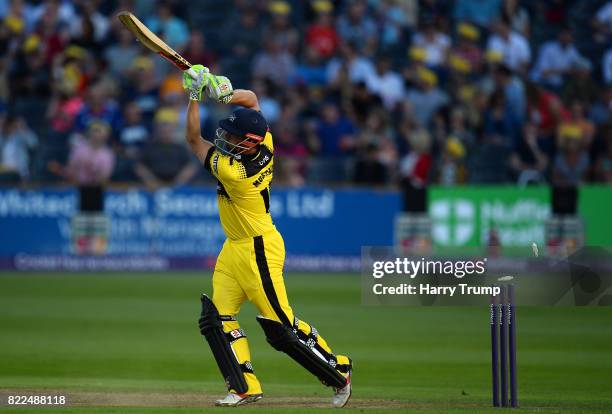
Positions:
{"x": 14, "y": 24}
{"x": 322, "y": 6}
{"x": 99, "y": 125}
{"x": 31, "y": 44}
{"x": 280, "y": 8}
{"x": 427, "y": 76}
{"x": 166, "y": 115}
{"x": 468, "y": 31}
{"x": 75, "y": 52}
{"x": 454, "y": 147}
{"x": 493, "y": 56}
{"x": 570, "y": 130}
{"x": 459, "y": 64}
{"x": 417, "y": 54}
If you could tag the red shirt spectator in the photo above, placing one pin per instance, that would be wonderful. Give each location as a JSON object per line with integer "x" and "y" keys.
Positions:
{"x": 322, "y": 36}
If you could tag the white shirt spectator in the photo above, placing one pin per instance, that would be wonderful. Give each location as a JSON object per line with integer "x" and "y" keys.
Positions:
{"x": 359, "y": 70}
{"x": 514, "y": 49}
{"x": 389, "y": 86}
{"x": 435, "y": 48}
{"x": 554, "y": 57}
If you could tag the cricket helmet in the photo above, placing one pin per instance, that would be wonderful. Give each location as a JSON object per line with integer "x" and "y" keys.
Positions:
{"x": 248, "y": 124}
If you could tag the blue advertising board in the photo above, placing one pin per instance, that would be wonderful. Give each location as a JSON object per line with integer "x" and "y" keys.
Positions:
{"x": 184, "y": 222}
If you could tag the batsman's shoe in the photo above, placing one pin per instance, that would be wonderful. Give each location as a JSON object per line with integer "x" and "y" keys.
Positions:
{"x": 342, "y": 395}
{"x": 234, "y": 400}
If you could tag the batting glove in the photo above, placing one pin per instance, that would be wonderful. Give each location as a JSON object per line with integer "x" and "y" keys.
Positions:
{"x": 194, "y": 80}
{"x": 220, "y": 89}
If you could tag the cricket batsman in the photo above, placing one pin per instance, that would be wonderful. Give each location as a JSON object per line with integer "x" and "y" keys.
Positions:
{"x": 250, "y": 265}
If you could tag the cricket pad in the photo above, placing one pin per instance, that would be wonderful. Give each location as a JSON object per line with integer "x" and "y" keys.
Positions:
{"x": 211, "y": 327}
{"x": 284, "y": 339}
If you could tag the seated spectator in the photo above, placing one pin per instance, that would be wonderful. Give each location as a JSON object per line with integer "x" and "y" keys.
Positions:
{"x": 451, "y": 168}
{"x": 121, "y": 54}
{"x": 311, "y": 71}
{"x": 499, "y": 124}
{"x": 426, "y": 99}
{"x": 514, "y": 92}
{"x": 467, "y": 45}
{"x": 99, "y": 107}
{"x": 359, "y": 67}
{"x": 571, "y": 164}
{"x": 164, "y": 162}
{"x": 396, "y": 17}
{"x": 357, "y": 28}
{"x": 517, "y": 15}
{"x": 435, "y": 44}
{"x": 274, "y": 63}
{"x": 386, "y": 83}
{"x": 334, "y": 131}
{"x": 527, "y": 161}
{"x": 511, "y": 45}
{"x": 198, "y": 51}
{"x": 415, "y": 167}
{"x": 144, "y": 88}
{"x": 602, "y": 23}
{"x": 173, "y": 28}
{"x": 133, "y": 133}
{"x": 16, "y": 142}
{"x": 321, "y": 34}
{"x": 91, "y": 161}
{"x": 281, "y": 26}
{"x": 556, "y": 59}
{"x": 546, "y": 111}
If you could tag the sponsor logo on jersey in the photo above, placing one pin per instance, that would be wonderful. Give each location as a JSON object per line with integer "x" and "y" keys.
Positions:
{"x": 262, "y": 177}
{"x": 216, "y": 164}
{"x": 264, "y": 160}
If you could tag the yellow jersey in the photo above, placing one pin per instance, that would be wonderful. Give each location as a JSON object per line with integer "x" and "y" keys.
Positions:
{"x": 243, "y": 190}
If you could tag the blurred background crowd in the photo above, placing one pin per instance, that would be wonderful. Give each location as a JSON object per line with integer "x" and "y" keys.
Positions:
{"x": 363, "y": 92}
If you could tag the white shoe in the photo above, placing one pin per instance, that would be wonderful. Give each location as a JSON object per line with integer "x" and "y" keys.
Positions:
{"x": 234, "y": 400}
{"x": 342, "y": 395}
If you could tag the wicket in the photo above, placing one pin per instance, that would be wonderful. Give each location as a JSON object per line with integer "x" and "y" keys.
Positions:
{"x": 503, "y": 347}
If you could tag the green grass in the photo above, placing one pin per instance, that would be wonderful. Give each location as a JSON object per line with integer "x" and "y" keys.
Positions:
{"x": 137, "y": 334}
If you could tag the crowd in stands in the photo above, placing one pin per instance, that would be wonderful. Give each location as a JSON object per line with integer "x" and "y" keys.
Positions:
{"x": 365, "y": 92}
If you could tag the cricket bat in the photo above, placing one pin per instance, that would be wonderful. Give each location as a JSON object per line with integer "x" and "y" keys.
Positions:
{"x": 151, "y": 41}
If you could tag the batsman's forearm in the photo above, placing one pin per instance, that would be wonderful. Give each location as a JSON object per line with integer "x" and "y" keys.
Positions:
{"x": 193, "y": 122}
{"x": 246, "y": 98}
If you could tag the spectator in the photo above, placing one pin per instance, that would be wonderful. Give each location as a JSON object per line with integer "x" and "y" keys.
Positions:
{"x": 172, "y": 28}
{"x": 321, "y": 35}
{"x": 120, "y": 55}
{"x": 435, "y": 44}
{"x": 144, "y": 88}
{"x": 515, "y": 13}
{"x": 91, "y": 161}
{"x": 580, "y": 85}
{"x": 467, "y": 45}
{"x": 415, "y": 166}
{"x": 514, "y": 92}
{"x": 396, "y": 17}
{"x": 163, "y": 161}
{"x": 556, "y": 59}
{"x": 357, "y": 28}
{"x": 311, "y": 71}
{"x": 275, "y": 63}
{"x": 572, "y": 162}
{"x": 546, "y": 111}
{"x": 451, "y": 168}
{"x": 198, "y": 51}
{"x": 98, "y": 108}
{"x": 511, "y": 45}
{"x": 281, "y": 27}
{"x": 527, "y": 161}
{"x": 16, "y": 143}
{"x": 499, "y": 123}
{"x": 427, "y": 98}
{"x": 386, "y": 83}
{"x": 335, "y": 132}
{"x": 359, "y": 67}
{"x": 368, "y": 168}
